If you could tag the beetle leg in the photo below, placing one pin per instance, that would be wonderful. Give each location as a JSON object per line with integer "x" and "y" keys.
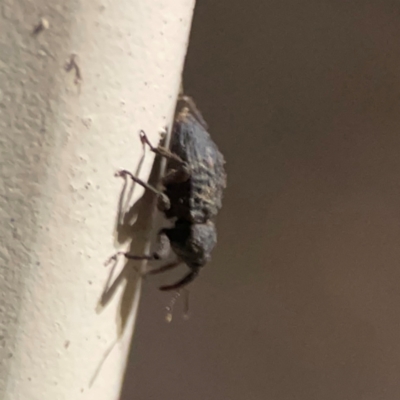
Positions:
{"x": 183, "y": 282}
{"x": 181, "y": 174}
{"x": 130, "y": 257}
{"x": 163, "y": 268}
{"x": 162, "y": 250}
{"x": 161, "y": 151}
{"x": 163, "y": 200}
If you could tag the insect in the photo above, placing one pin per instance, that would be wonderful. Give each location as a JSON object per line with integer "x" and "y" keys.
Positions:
{"x": 192, "y": 195}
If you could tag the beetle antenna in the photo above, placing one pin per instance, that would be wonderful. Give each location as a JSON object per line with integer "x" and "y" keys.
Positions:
{"x": 186, "y": 305}
{"x": 170, "y": 307}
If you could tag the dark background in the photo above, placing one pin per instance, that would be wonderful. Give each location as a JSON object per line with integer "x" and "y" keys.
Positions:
{"x": 302, "y": 298}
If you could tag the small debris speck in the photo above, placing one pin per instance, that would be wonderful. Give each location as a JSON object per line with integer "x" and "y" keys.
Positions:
{"x": 72, "y": 64}
{"x": 41, "y": 26}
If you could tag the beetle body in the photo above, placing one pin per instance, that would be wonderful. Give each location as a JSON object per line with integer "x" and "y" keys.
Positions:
{"x": 199, "y": 198}
{"x": 192, "y": 196}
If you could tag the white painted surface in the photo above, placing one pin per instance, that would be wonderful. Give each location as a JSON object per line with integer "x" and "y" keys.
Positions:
{"x": 60, "y": 145}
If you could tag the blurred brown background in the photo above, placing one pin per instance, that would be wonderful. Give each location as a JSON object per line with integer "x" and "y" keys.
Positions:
{"x": 302, "y": 298}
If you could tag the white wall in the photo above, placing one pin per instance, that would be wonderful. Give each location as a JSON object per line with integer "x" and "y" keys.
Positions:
{"x": 61, "y": 144}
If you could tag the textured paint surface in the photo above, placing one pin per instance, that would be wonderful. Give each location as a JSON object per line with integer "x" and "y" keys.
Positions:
{"x": 60, "y": 144}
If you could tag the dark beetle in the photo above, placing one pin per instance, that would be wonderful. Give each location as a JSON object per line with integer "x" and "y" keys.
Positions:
{"x": 193, "y": 185}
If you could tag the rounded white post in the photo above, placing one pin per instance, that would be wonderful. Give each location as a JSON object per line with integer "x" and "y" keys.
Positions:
{"x": 78, "y": 80}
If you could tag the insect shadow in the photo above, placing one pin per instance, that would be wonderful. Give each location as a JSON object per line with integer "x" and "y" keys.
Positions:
{"x": 139, "y": 232}
{"x": 135, "y": 224}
